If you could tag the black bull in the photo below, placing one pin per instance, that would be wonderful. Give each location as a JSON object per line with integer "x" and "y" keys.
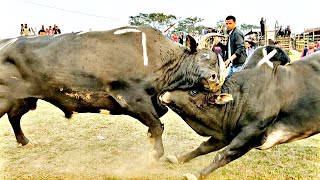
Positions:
{"x": 122, "y": 70}
{"x": 259, "y": 107}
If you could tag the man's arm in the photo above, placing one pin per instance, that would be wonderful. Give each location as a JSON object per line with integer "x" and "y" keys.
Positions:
{"x": 240, "y": 45}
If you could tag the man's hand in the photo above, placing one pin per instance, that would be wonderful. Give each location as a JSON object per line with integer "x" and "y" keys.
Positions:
{"x": 228, "y": 62}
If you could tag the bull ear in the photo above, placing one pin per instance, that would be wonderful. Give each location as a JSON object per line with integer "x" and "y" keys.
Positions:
{"x": 191, "y": 44}
{"x": 224, "y": 98}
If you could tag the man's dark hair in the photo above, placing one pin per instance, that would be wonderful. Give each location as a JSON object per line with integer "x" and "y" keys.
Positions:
{"x": 231, "y": 17}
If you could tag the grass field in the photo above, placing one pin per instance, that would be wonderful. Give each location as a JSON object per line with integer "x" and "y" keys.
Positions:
{"x": 95, "y": 146}
{"x": 75, "y": 149}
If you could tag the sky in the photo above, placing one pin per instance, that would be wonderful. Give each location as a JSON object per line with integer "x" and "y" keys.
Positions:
{"x": 109, "y": 14}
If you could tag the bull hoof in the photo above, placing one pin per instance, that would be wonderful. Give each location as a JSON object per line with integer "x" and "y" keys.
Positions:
{"x": 29, "y": 145}
{"x": 104, "y": 111}
{"x": 173, "y": 159}
{"x": 152, "y": 160}
{"x": 190, "y": 176}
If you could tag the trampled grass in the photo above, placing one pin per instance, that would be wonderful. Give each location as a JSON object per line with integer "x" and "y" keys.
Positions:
{"x": 75, "y": 149}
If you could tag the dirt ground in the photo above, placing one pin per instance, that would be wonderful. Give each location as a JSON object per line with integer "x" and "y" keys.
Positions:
{"x": 94, "y": 146}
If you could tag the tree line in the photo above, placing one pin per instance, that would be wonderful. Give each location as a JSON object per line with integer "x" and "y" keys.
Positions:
{"x": 163, "y": 21}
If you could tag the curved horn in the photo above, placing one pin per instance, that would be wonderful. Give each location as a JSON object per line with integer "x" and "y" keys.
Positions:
{"x": 204, "y": 43}
{"x": 222, "y": 69}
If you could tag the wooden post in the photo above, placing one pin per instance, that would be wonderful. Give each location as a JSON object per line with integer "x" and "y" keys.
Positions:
{"x": 171, "y": 25}
{"x": 275, "y": 32}
{"x": 265, "y": 33}
{"x": 304, "y": 38}
{"x": 313, "y": 35}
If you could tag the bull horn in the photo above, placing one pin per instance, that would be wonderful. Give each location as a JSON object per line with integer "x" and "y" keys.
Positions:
{"x": 204, "y": 42}
{"x": 222, "y": 69}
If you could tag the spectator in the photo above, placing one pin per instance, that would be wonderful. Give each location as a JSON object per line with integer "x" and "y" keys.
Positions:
{"x": 217, "y": 49}
{"x": 280, "y": 32}
{"x": 235, "y": 48}
{"x": 249, "y": 47}
{"x": 50, "y": 31}
{"x": 21, "y": 30}
{"x": 26, "y": 31}
{"x": 277, "y": 44}
{"x": 287, "y": 32}
{"x": 262, "y": 26}
{"x": 42, "y": 32}
{"x": 175, "y": 37}
{"x": 56, "y": 30}
{"x": 181, "y": 38}
{"x": 214, "y": 30}
{"x": 318, "y": 46}
{"x": 204, "y": 31}
{"x": 308, "y": 50}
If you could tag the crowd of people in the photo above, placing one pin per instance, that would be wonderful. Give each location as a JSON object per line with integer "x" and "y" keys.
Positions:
{"x": 27, "y": 31}
{"x": 311, "y": 48}
{"x": 238, "y": 48}
{"x": 284, "y": 32}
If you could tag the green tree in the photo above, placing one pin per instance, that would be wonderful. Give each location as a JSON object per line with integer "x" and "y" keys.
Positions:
{"x": 221, "y": 26}
{"x": 156, "y": 20}
{"x": 248, "y": 26}
{"x": 190, "y": 24}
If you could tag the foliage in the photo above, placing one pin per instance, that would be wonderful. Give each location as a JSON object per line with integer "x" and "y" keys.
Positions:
{"x": 248, "y": 26}
{"x": 190, "y": 25}
{"x": 156, "y": 20}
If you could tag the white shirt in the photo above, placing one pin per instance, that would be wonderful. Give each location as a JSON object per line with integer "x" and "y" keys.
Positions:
{"x": 229, "y": 46}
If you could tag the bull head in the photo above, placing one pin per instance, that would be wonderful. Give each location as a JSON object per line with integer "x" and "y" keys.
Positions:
{"x": 216, "y": 83}
{"x": 211, "y": 67}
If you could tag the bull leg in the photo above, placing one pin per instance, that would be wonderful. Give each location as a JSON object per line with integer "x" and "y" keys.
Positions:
{"x": 240, "y": 145}
{"x": 142, "y": 108}
{"x": 206, "y": 147}
{"x": 19, "y": 108}
{"x": 154, "y": 132}
{"x": 5, "y": 106}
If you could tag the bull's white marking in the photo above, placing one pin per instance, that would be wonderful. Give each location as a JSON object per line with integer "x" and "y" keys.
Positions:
{"x": 9, "y": 43}
{"x": 29, "y": 37}
{"x": 123, "y": 31}
{"x": 56, "y": 35}
{"x": 144, "y": 46}
{"x": 266, "y": 57}
{"x": 274, "y": 138}
{"x": 281, "y": 135}
{"x": 82, "y": 32}
{"x": 144, "y": 42}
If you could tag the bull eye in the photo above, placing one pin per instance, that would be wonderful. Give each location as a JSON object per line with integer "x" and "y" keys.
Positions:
{"x": 193, "y": 92}
{"x": 205, "y": 56}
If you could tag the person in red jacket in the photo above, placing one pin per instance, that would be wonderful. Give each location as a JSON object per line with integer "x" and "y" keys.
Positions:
{"x": 175, "y": 37}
